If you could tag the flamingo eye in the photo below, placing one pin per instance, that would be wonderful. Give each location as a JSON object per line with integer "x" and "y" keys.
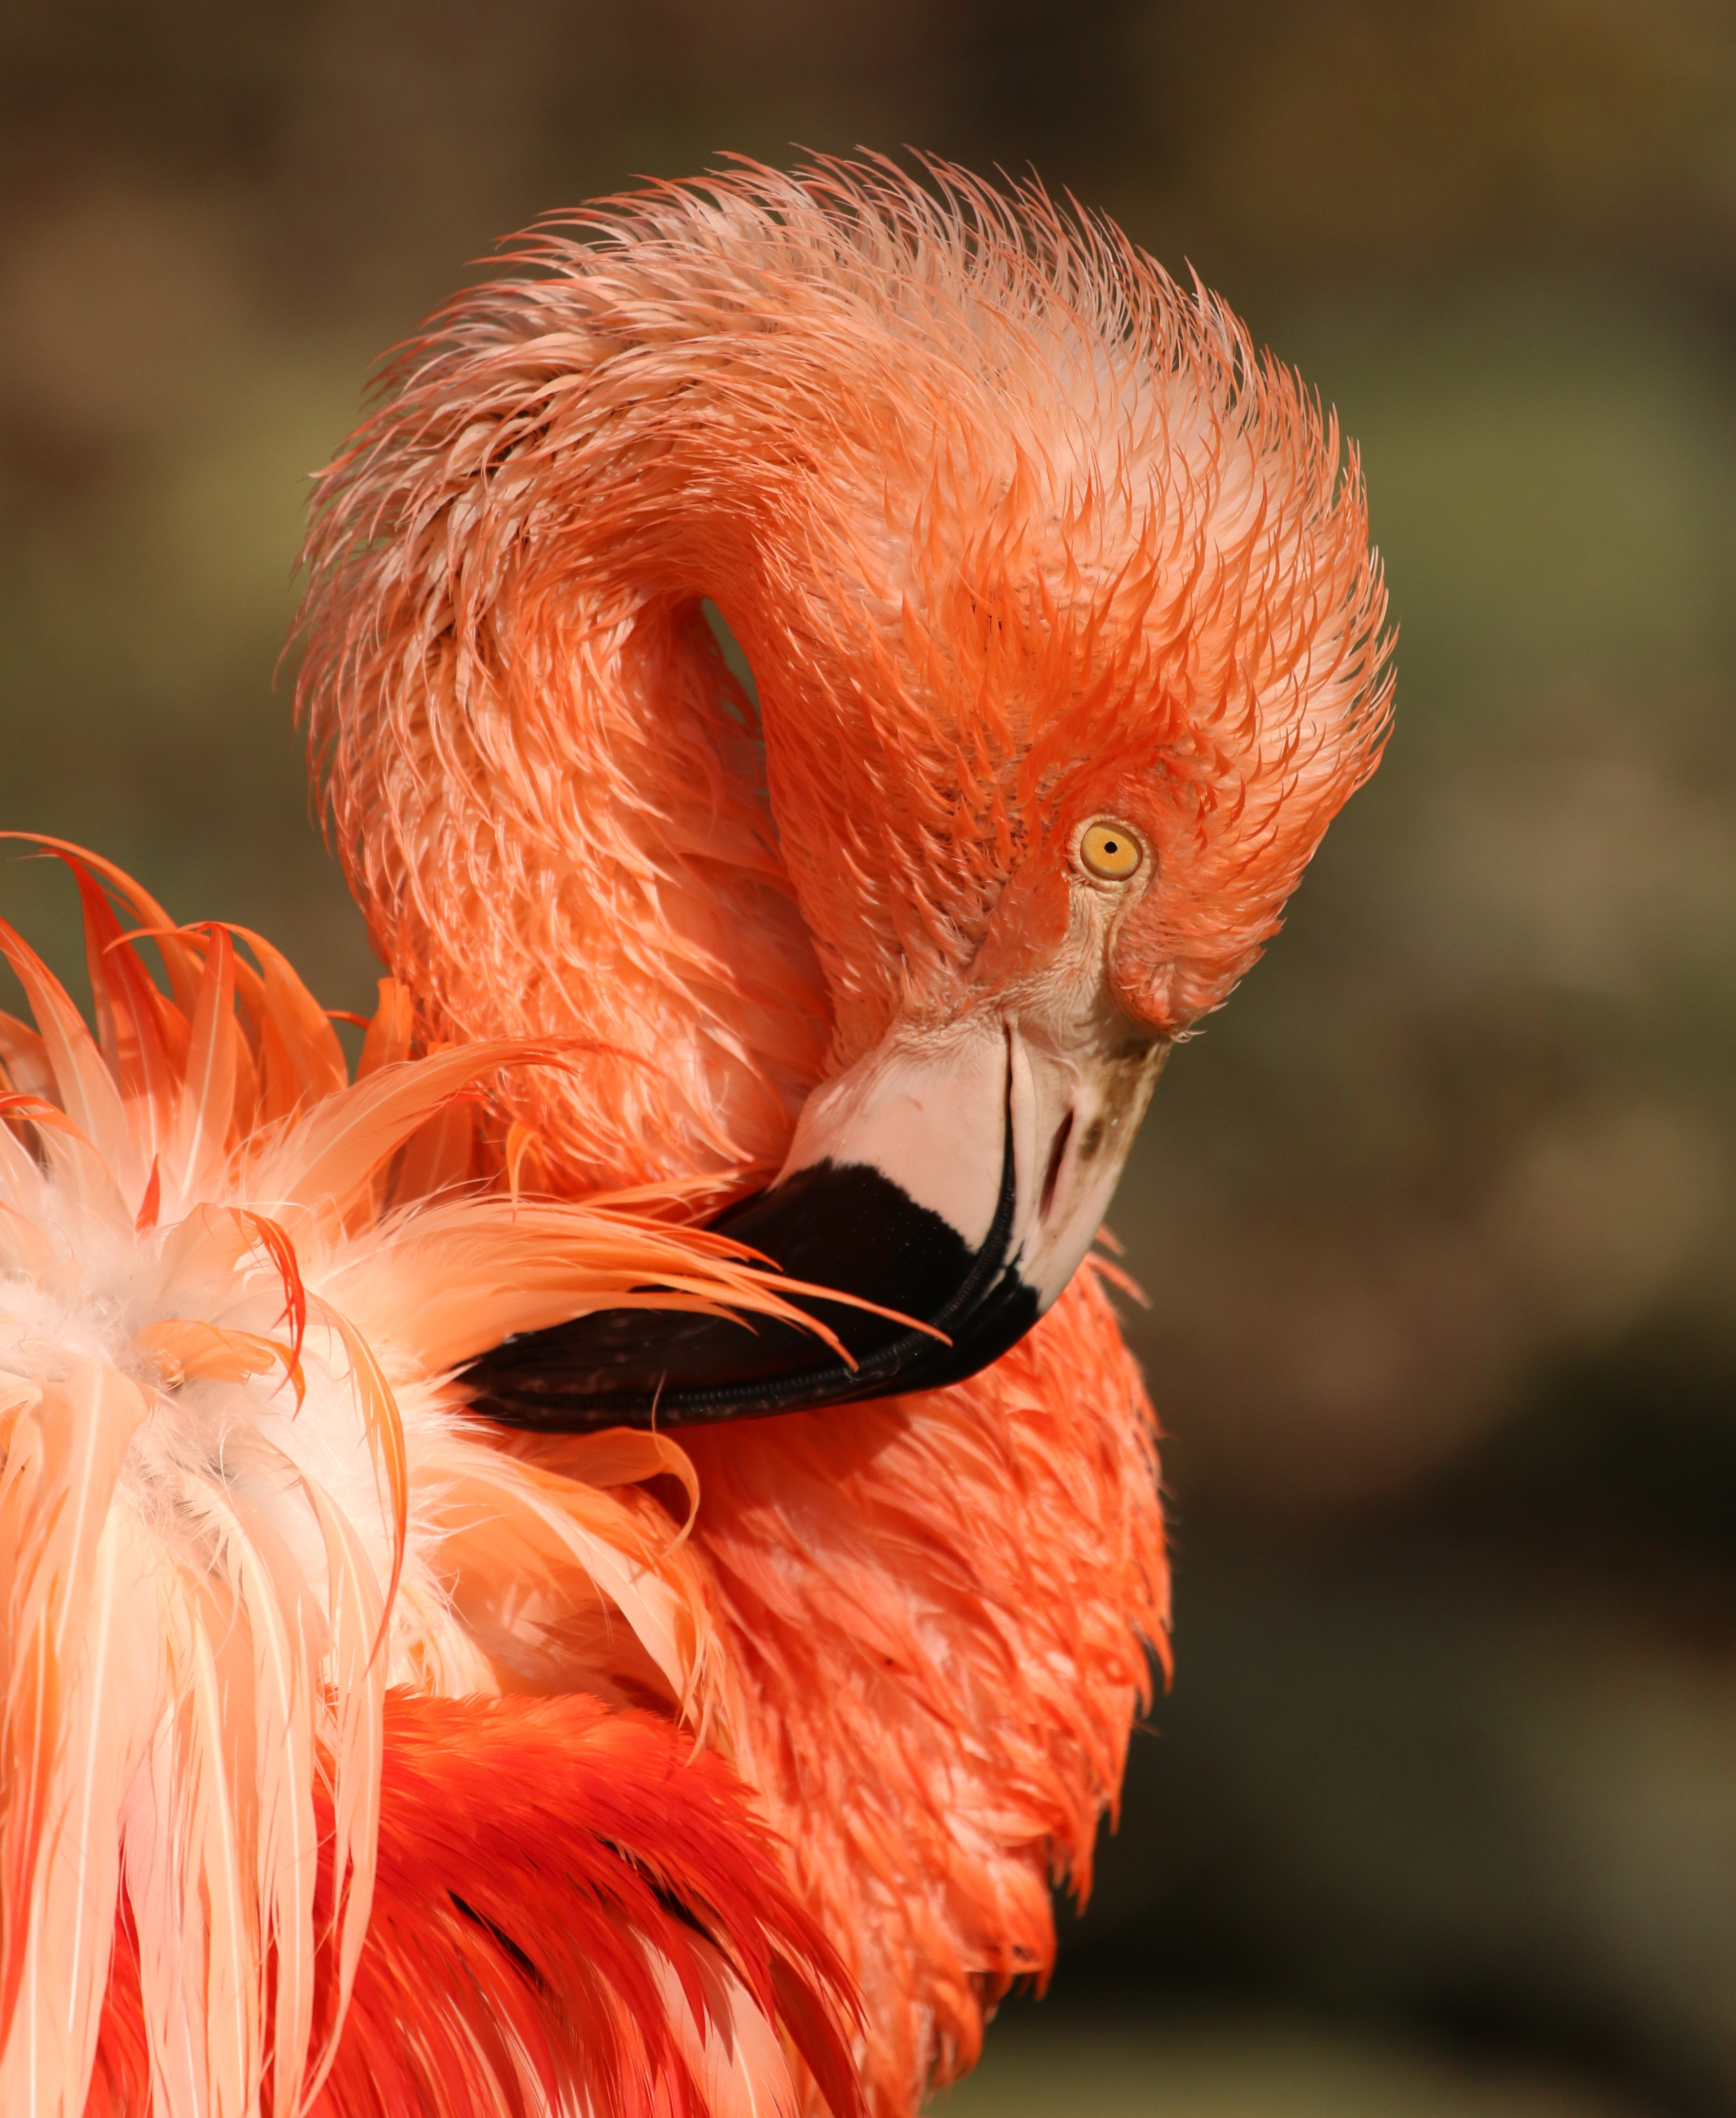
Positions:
{"x": 1110, "y": 852}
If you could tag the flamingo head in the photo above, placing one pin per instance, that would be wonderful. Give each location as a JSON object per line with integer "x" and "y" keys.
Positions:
{"x": 1065, "y": 632}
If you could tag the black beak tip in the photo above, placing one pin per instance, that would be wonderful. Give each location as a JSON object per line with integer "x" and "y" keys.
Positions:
{"x": 844, "y": 1226}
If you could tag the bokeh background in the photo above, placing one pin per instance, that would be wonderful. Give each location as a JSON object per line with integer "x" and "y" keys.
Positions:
{"x": 1436, "y": 1221}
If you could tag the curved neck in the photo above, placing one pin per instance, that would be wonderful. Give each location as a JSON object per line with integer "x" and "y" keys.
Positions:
{"x": 550, "y": 794}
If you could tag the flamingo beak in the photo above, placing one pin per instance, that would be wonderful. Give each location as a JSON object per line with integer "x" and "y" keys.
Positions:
{"x": 956, "y": 1178}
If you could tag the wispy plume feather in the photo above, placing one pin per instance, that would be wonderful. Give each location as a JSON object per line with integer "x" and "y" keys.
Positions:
{"x": 247, "y": 1535}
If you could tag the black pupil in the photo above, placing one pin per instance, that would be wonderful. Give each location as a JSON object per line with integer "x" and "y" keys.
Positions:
{"x": 1110, "y": 846}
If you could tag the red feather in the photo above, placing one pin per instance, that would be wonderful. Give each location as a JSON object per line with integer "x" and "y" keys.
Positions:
{"x": 545, "y": 1865}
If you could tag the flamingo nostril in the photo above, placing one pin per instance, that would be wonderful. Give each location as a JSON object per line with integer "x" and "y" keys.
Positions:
{"x": 1063, "y": 1132}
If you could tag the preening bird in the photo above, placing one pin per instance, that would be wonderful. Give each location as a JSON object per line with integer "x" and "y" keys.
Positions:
{"x": 577, "y": 1665}
{"x": 1066, "y": 635}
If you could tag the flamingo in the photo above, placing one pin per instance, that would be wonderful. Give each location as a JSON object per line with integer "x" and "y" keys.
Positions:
{"x": 621, "y": 1595}
{"x": 1066, "y": 634}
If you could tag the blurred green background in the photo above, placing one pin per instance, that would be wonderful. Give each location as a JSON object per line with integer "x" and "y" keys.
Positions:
{"x": 1436, "y": 1221}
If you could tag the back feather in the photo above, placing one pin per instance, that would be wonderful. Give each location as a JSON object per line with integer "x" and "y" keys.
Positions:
{"x": 571, "y": 1912}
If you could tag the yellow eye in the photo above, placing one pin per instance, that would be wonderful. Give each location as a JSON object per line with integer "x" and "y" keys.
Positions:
{"x": 1110, "y": 852}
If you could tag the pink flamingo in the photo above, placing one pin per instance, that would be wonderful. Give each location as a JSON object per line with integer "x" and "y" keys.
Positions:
{"x": 451, "y": 1662}
{"x": 1065, "y": 632}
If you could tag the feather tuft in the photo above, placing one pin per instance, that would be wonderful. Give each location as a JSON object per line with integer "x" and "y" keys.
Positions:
{"x": 240, "y": 1502}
